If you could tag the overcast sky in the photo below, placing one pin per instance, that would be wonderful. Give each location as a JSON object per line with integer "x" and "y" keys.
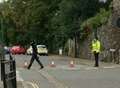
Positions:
{"x": 3, "y": 0}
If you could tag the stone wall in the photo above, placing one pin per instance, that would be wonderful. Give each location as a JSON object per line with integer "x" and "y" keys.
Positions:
{"x": 109, "y": 35}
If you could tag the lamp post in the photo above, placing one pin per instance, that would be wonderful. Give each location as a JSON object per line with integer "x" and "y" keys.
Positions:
{"x": 2, "y": 20}
{"x": 2, "y": 40}
{"x": 1, "y": 26}
{"x": 8, "y": 68}
{"x": 2, "y": 33}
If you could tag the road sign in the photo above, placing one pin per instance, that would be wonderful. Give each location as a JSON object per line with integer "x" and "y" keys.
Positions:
{"x": 112, "y": 50}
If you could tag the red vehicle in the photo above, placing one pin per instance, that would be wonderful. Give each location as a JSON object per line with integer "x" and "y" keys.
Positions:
{"x": 17, "y": 50}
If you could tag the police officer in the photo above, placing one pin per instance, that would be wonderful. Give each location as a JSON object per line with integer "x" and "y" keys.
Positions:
{"x": 96, "y": 50}
{"x": 34, "y": 56}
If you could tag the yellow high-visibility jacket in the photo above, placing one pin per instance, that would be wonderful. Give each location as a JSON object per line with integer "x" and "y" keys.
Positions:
{"x": 96, "y": 46}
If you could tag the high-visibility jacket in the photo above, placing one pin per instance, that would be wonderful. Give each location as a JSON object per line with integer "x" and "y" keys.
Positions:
{"x": 96, "y": 46}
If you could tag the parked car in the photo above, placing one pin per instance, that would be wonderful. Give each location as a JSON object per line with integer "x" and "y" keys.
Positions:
{"x": 41, "y": 49}
{"x": 17, "y": 50}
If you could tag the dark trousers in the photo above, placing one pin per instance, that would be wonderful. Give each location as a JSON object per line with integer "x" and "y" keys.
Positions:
{"x": 96, "y": 59}
{"x": 35, "y": 57}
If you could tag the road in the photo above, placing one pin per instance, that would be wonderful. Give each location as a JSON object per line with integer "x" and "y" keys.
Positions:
{"x": 63, "y": 76}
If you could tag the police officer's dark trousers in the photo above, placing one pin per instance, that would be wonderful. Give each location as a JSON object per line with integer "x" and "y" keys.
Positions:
{"x": 96, "y": 59}
{"x": 35, "y": 57}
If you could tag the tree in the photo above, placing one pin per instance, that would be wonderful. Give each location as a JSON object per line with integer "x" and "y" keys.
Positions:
{"x": 50, "y": 22}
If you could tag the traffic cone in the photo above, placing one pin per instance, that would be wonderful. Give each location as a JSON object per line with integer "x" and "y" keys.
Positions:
{"x": 71, "y": 63}
{"x": 52, "y": 64}
{"x": 25, "y": 64}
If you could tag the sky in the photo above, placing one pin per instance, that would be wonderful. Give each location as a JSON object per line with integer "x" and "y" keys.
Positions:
{"x": 2, "y": 1}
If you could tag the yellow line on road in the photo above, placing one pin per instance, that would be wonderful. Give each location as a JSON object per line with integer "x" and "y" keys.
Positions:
{"x": 33, "y": 84}
{"x": 36, "y": 85}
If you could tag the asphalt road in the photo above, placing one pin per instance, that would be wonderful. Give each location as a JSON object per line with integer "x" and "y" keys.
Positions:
{"x": 63, "y": 76}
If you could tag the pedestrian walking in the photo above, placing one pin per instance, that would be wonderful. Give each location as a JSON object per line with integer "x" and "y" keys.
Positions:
{"x": 34, "y": 56}
{"x": 96, "y": 50}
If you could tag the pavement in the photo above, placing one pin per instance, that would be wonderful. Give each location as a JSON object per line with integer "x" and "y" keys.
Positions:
{"x": 77, "y": 65}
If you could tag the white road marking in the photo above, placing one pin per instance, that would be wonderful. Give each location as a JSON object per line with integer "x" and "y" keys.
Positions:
{"x": 19, "y": 78}
{"x": 109, "y": 67}
{"x": 91, "y": 68}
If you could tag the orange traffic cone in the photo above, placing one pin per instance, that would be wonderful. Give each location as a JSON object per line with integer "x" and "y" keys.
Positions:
{"x": 71, "y": 63}
{"x": 52, "y": 64}
{"x": 25, "y": 64}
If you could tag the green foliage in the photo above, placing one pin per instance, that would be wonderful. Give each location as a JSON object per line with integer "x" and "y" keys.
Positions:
{"x": 94, "y": 22}
{"x": 50, "y": 22}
